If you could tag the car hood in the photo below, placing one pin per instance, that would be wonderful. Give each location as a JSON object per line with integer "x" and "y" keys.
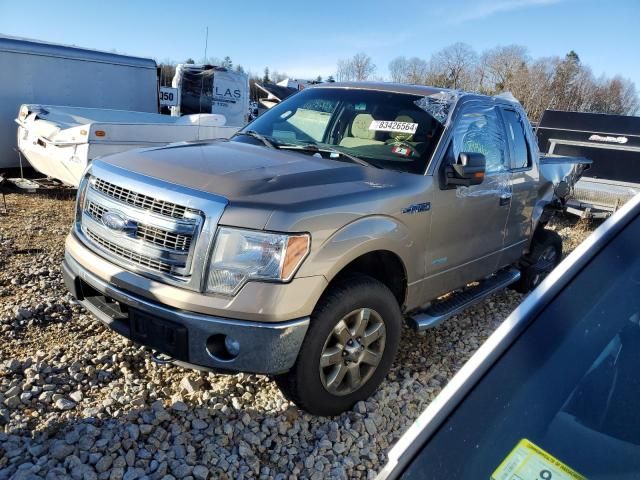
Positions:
{"x": 259, "y": 178}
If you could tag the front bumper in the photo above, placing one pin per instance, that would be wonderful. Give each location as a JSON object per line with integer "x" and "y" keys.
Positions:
{"x": 192, "y": 339}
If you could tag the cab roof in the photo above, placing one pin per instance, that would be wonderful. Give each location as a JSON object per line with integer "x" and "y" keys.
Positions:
{"x": 423, "y": 90}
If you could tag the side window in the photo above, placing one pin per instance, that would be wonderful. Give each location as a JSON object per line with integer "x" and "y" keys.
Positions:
{"x": 480, "y": 131}
{"x": 515, "y": 131}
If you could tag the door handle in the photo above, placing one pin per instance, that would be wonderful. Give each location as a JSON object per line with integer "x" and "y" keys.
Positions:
{"x": 505, "y": 200}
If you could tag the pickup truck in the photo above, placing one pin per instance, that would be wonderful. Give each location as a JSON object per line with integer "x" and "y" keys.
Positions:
{"x": 298, "y": 248}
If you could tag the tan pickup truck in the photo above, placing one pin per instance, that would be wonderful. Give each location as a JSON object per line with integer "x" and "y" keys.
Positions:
{"x": 299, "y": 247}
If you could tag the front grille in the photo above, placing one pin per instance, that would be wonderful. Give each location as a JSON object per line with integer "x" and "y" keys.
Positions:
{"x": 133, "y": 257}
{"x": 139, "y": 200}
{"x": 95, "y": 210}
{"x": 170, "y": 240}
{"x": 147, "y": 233}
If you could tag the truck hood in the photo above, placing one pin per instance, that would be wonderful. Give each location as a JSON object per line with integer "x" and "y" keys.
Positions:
{"x": 259, "y": 178}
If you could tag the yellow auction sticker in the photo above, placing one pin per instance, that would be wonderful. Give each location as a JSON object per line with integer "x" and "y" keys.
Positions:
{"x": 529, "y": 462}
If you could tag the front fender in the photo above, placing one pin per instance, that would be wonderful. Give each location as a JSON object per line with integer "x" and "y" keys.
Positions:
{"x": 364, "y": 235}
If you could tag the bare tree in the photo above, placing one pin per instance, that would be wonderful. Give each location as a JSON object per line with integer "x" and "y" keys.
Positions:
{"x": 413, "y": 70}
{"x": 417, "y": 70}
{"x": 501, "y": 63}
{"x": 454, "y": 65}
{"x": 398, "y": 69}
{"x": 357, "y": 68}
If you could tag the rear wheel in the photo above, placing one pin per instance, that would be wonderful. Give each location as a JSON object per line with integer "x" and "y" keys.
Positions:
{"x": 352, "y": 341}
{"x": 546, "y": 253}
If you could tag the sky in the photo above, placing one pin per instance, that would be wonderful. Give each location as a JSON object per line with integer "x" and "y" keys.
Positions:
{"x": 306, "y": 39}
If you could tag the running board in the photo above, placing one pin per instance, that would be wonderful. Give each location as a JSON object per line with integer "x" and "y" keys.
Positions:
{"x": 441, "y": 310}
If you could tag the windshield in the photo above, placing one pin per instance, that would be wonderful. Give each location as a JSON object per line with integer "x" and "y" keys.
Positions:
{"x": 565, "y": 395}
{"x": 385, "y": 129}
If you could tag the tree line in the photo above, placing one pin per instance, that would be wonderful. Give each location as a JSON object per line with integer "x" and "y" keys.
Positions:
{"x": 562, "y": 83}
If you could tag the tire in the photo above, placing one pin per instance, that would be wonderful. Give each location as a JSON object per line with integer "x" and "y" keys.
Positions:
{"x": 307, "y": 384}
{"x": 546, "y": 253}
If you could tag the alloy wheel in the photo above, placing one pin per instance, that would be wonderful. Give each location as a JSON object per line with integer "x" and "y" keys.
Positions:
{"x": 352, "y": 351}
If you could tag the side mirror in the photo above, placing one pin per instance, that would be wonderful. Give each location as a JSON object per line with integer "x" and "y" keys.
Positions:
{"x": 468, "y": 170}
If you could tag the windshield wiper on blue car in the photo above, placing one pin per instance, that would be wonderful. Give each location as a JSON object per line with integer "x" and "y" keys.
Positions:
{"x": 312, "y": 147}
{"x": 257, "y": 136}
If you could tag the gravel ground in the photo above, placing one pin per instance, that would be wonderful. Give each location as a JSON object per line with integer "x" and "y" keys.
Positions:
{"x": 78, "y": 401}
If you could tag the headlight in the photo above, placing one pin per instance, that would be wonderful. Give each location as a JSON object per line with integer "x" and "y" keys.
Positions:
{"x": 243, "y": 255}
{"x": 81, "y": 195}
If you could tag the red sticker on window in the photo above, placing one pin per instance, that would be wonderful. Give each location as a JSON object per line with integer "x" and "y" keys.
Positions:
{"x": 401, "y": 150}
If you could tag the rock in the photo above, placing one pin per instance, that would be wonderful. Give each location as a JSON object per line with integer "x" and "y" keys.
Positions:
{"x": 134, "y": 431}
{"x": 76, "y": 396}
{"x": 360, "y": 407}
{"x": 370, "y": 426}
{"x": 200, "y": 472}
{"x": 64, "y": 404}
{"x": 180, "y": 406}
{"x": 198, "y": 424}
{"x": 188, "y": 385}
{"x": 72, "y": 437}
{"x": 12, "y": 402}
{"x": 130, "y": 457}
{"x": 116, "y": 473}
{"x": 104, "y": 464}
{"x": 339, "y": 448}
{"x": 61, "y": 450}
{"x": 182, "y": 470}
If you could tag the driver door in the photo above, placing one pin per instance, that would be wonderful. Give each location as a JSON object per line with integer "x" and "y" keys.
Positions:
{"x": 468, "y": 223}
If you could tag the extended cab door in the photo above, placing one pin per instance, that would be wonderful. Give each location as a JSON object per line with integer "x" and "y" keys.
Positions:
{"x": 468, "y": 223}
{"x": 524, "y": 181}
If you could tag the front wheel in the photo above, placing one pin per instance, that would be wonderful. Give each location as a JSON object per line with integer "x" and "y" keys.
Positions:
{"x": 546, "y": 253}
{"x": 349, "y": 347}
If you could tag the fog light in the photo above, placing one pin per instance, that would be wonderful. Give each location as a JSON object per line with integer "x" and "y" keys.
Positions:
{"x": 222, "y": 347}
{"x": 232, "y": 346}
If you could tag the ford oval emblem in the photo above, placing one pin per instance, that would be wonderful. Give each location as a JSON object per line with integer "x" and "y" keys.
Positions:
{"x": 114, "y": 221}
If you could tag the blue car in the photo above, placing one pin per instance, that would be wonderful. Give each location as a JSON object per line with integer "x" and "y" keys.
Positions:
{"x": 554, "y": 394}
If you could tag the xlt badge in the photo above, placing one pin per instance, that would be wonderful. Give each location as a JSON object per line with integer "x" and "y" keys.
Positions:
{"x": 417, "y": 208}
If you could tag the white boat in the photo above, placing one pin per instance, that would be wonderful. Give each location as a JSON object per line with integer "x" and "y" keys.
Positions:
{"x": 61, "y": 141}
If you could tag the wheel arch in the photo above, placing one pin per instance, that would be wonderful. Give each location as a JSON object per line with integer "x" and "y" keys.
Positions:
{"x": 383, "y": 265}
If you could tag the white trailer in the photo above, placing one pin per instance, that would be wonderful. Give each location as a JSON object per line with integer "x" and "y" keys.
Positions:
{"x": 37, "y": 72}
{"x": 61, "y": 141}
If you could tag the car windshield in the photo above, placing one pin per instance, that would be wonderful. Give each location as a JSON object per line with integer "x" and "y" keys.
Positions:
{"x": 565, "y": 394}
{"x": 385, "y": 129}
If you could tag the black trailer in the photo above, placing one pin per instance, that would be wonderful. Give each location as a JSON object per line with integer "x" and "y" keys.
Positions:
{"x": 611, "y": 141}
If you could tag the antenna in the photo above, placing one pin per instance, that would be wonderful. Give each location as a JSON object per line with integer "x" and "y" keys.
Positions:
{"x": 206, "y": 43}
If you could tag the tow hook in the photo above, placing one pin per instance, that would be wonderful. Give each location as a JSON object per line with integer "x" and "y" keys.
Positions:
{"x": 161, "y": 358}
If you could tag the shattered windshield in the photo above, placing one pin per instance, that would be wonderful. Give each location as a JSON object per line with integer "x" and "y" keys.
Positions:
{"x": 382, "y": 129}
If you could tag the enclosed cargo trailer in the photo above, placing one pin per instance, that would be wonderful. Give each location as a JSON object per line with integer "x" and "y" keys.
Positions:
{"x": 612, "y": 142}
{"x": 35, "y": 72}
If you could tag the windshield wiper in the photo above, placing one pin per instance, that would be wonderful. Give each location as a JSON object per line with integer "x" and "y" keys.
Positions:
{"x": 312, "y": 147}
{"x": 257, "y": 136}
